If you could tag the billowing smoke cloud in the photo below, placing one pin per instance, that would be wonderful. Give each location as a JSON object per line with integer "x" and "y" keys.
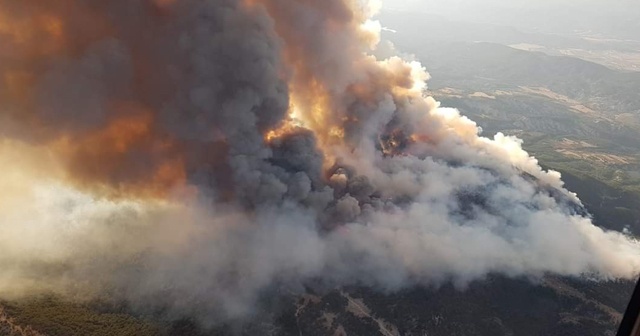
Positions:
{"x": 198, "y": 152}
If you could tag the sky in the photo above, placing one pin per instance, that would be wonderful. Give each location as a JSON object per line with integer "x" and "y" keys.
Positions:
{"x": 616, "y": 19}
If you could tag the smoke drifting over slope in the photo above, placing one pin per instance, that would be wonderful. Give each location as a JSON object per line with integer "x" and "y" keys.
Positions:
{"x": 201, "y": 151}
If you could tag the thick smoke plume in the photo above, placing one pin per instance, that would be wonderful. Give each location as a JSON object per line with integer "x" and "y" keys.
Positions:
{"x": 198, "y": 152}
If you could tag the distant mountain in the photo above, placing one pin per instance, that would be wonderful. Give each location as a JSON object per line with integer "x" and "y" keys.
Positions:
{"x": 612, "y": 20}
{"x": 432, "y": 27}
{"x": 576, "y": 116}
{"x": 493, "y": 66}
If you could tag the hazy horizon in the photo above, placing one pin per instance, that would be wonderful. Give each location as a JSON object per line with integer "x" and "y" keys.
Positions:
{"x": 589, "y": 17}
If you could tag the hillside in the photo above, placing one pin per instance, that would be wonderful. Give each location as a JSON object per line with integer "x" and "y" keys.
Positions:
{"x": 575, "y": 116}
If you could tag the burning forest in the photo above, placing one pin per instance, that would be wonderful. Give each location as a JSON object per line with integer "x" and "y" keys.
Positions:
{"x": 202, "y": 151}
